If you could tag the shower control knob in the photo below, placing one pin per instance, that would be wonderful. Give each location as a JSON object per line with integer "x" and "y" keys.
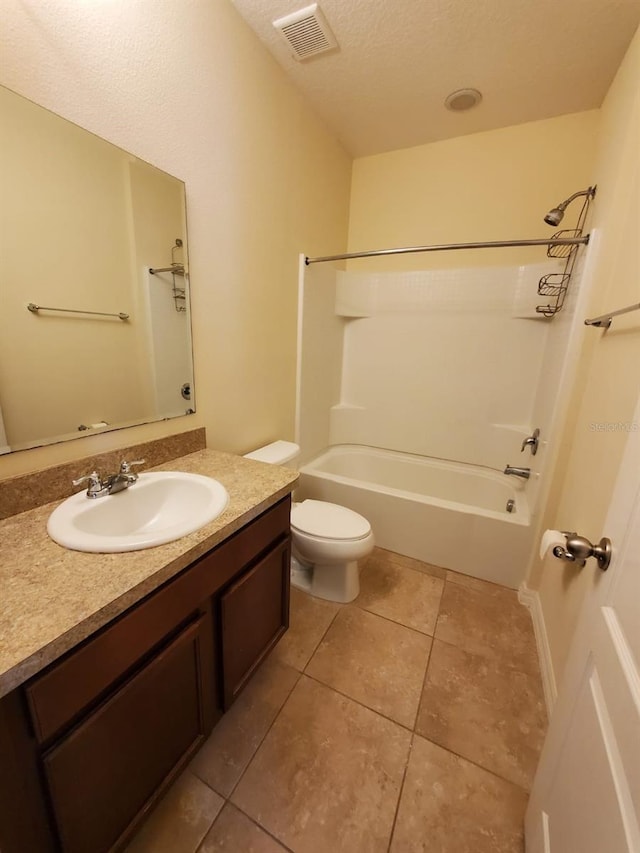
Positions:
{"x": 532, "y": 441}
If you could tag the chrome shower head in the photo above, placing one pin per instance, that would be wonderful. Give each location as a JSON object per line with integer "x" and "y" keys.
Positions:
{"x": 554, "y": 217}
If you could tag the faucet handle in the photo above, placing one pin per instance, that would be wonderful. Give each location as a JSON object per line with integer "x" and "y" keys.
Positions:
{"x": 93, "y": 479}
{"x": 96, "y": 486}
{"x": 532, "y": 441}
{"x": 125, "y": 467}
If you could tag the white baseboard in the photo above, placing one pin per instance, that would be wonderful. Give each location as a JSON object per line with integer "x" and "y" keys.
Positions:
{"x": 531, "y": 599}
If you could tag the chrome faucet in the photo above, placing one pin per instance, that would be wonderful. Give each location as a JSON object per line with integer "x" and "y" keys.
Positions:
{"x": 99, "y": 488}
{"x": 96, "y": 488}
{"x": 525, "y": 473}
{"x": 124, "y": 478}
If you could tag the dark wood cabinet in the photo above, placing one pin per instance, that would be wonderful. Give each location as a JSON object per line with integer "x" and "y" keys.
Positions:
{"x": 110, "y": 766}
{"x": 88, "y": 745}
{"x": 254, "y": 614}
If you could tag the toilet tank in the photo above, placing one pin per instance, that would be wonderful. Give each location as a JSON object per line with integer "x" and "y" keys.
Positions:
{"x": 276, "y": 453}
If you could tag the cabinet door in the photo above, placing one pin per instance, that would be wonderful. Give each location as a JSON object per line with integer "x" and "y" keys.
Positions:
{"x": 254, "y": 614}
{"x": 110, "y": 766}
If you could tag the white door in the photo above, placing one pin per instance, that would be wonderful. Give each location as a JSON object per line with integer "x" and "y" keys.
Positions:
{"x": 586, "y": 794}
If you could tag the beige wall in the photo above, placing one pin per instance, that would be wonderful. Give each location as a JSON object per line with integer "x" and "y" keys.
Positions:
{"x": 487, "y": 186}
{"x": 190, "y": 89}
{"x": 608, "y": 381}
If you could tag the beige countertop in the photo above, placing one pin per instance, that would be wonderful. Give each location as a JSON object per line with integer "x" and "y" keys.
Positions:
{"x": 52, "y": 598}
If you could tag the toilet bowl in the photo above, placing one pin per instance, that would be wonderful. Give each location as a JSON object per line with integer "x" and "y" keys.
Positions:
{"x": 327, "y": 539}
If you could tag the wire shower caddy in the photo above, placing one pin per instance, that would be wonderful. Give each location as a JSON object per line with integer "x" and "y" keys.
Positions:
{"x": 555, "y": 285}
{"x": 176, "y": 269}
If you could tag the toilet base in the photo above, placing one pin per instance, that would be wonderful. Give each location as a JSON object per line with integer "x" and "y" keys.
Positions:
{"x": 332, "y": 581}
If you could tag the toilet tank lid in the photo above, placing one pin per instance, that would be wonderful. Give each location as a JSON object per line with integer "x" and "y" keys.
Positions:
{"x": 276, "y": 453}
{"x": 328, "y": 521}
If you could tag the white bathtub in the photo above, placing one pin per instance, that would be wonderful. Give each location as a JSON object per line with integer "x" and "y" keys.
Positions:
{"x": 448, "y": 514}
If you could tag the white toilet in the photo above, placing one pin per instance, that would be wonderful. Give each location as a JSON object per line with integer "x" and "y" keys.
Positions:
{"x": 327, "y": 539}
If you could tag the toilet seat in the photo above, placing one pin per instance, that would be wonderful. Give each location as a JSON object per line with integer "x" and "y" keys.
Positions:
{"x": 324, "y": 520}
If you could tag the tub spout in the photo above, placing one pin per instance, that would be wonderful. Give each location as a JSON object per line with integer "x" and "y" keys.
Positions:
{"x": 525, "y": 473}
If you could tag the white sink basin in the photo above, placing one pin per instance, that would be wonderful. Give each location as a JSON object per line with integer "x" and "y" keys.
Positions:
{"x": 158, "y": 508}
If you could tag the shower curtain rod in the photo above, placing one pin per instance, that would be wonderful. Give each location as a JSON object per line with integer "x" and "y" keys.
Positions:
{"x": 495, "y": 244}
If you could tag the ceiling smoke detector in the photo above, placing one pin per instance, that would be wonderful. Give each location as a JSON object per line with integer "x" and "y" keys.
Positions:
{"x": 306, "y": 32}
{"x": 462, "y": 99}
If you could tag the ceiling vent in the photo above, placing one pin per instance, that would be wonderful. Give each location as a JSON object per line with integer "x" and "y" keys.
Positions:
{"x": 306, "y": 32}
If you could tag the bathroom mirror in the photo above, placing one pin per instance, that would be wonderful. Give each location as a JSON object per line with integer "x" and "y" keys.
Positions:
{"x": 90, "y": 339}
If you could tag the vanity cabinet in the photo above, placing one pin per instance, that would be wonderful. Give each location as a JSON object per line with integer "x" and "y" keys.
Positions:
{"x": 89, "y": 744}
{"x": 263, "y": 592}
{"x": 109, "y": 766}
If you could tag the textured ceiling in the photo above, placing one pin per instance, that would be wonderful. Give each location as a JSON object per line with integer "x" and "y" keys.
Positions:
{"x": 398, "y": 59}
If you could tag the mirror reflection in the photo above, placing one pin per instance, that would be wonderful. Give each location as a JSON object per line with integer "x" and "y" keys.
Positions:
{"x": 94, "y": 285}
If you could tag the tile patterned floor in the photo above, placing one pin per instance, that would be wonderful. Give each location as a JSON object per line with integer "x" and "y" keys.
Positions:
{"x": 410, "y": 720}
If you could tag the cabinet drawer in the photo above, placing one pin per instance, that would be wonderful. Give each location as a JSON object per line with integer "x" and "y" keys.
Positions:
{"x": 254, "y": 614}
{"x": 104, "y": 772}
{"x": 256, "y": 537}
{"x": 58, "y": 696}
{"x": 71, "y": 686}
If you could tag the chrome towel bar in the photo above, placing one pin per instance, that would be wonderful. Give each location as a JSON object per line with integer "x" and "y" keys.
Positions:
{"x": 604, "y": 320}
{"x": 35, "y": 308}
{"x": 176, "y": 269}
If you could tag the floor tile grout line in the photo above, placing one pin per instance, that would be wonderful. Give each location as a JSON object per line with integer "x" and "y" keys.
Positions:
{"x": 481, "y": 654}
{"x": 400, "y": 567}
{"x": 435, "y": 627}
{"x": 204, "y": 781}
{"x": 398, "y": 562}
{"x": 404, "y": 777}
{"x": 303, "y": 671}
{"x": 253, "y": 821}
{"x": 486, "y": 657}
{"x": 357, "y": 702}
{"x": 498, "y": 586}
{"x": 227, "y": 797}
{"x": 422, "y": 572}
{"x": 396, "y": 621}
{"x": 213, "y": 823}
{"x": 447, "y": 573}
{"x": 262, "y": 740}
{"x": 263, "y": 828}
{"x": 389, "y": 619}
{"x": 424, "y": 684}
{"x": 475, "y": 763}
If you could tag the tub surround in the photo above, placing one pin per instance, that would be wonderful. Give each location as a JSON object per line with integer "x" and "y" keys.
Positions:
{"x": 394, "y": 330}
{"x": 54, "y": 598}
